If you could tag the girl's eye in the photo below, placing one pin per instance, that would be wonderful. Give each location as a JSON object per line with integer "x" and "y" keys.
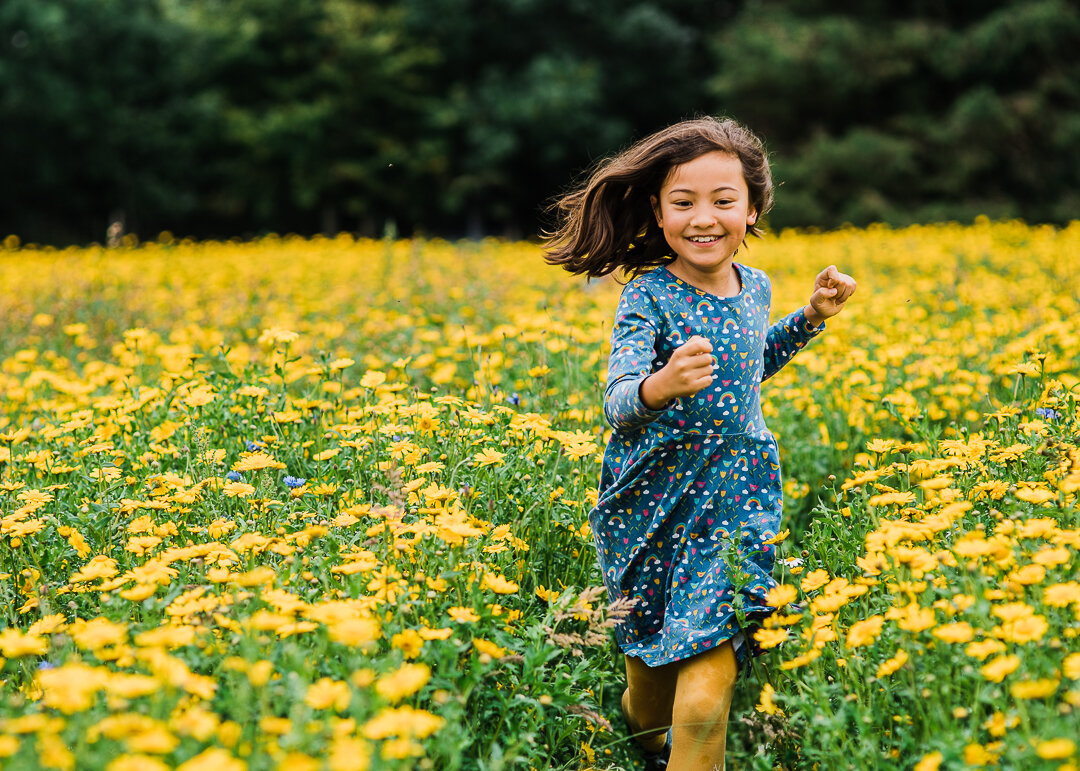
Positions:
{"x": 682, "y": 204}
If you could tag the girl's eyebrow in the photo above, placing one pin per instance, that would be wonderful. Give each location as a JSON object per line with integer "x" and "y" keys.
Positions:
{"x": 691, "y": 192}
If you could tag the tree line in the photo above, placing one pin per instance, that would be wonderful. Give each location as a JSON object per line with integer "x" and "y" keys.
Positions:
{"x": 218, "y": 118}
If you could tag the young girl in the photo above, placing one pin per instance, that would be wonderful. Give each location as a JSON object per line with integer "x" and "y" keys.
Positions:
{"x": 691, "y": 474}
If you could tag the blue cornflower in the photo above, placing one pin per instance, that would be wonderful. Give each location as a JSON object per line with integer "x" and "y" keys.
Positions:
{"x": 514, "y": 399}
{"x": 1046, "y": 413}
{"x": 233, "y": 476}
{"x": 253, "y": 446}
{"x": 294, "y": 482}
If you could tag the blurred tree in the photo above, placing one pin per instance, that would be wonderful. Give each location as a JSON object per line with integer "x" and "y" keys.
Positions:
{"x": 535, "y": 89}
{"x": 224, "y": 117}
{"x": 97, "y": 123}
{"x": 912, "y": 110}
{"x": 321, "y": 103}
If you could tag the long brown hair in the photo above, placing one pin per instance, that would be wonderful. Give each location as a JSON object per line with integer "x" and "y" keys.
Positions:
{"x": 607, "y": 222}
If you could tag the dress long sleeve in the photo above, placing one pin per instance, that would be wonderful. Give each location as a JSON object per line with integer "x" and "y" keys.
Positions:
{"x": 633, "y": 351}
{"x": 785, "y": 338}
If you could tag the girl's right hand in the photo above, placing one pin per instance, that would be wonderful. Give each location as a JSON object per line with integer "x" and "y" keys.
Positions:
{"x": 689, "y": 370}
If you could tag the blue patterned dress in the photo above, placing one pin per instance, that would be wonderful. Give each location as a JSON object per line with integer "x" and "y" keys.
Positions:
{"x": 683, "y": 486}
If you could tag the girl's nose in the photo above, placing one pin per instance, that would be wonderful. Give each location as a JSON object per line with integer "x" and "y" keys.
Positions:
{"x": 702, "y": 218}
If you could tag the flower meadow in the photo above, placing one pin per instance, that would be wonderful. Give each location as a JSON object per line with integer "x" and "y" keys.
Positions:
{"x": 321, "y": 504}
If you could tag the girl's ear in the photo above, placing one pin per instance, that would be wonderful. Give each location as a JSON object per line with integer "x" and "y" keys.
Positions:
{"x": 655, "y": 202}
{"x": 751, "y": 216}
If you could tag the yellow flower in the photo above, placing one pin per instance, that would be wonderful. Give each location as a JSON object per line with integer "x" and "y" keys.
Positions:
{"x": 815, "y": 579}
{"x": 463, "y": 615}
{"x": 362, "y": 678}
{"x": 892, "y": 499}
{"x": 998, "y": 668}
{"x": 766, "y": 704}
{"x": 1051, "y": 556}
{"x": 1034, "y": 689}
{"x": 98, "y": 567}
{"x": 409, "y": 641}
{"x": 358, "y": 632}
{"x": 912, "y": 617}
{"x": 53, "y": 752}
{"x": 157, "y": 740}
{"x": 402, "y": 721}
{"x": 983, "y": 648}
{"x": 977, "y": 755}
{"x": 249, "y": 390}
{"x": 545, "y": 594}
{"x": 255, "y": 461}
{"x": 237, "y": 489}
{"x": 801, "y": 660}
{"x": 259, "y": 673}
{"x": 406, "y": 681}
{"x": 498, "y": 584}
{"x": 1070, "y": 667}
{"x": 1034, "y": 495}
{"x": 997, "y": 724}
{"x": 890, "y": 666}
{"x": 778, "y": 538}
{"x": 770, "y": 638}
{"x": 14, "y": 437}
{"x": 959, "y": 632}
{"x": 14, "y": 644}
{"x": 95, "y": 634}
{"x": 864, "y": 632}
{"x": 489, "y": 648}
{"x": 372, "y": 379}
{"x": 297, "y": 761}
{"x": 326, "y": 693}
{"x": 197, "y": 722}
{"x": 780, "y": 595}
{"x": 139, "y": 592}
{"x": 929, "y": 762}
{"x": 1055, "y": 749}
{"x": 881, "y": 446}
{"x": 1062, "y": 594}
{"x": 489, "y": 457}
{"x": 277, "y": 335}
{"x": 1028, "y": 575}
{"x": 1027, "y": 368}
{"x": 131, "y": 686}
{"x": 347, "y": 753}
{"x": 214, "y": 759}
{"x": 1023, "y": 630}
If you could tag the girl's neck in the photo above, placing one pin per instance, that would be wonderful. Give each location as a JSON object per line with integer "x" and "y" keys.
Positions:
{"x": 722, "y": 280}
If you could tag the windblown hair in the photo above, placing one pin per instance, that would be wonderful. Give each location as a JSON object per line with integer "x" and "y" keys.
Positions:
{"x": 608, "y": 223}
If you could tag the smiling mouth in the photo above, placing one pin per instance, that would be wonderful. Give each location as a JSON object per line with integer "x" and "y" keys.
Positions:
{"x": 703, "y": 239}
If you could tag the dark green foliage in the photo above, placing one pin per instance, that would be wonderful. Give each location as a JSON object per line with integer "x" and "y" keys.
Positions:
{"x": 94, "y": 115}
{"x": 218, "y": 118}
{"x": 911, "y": 112}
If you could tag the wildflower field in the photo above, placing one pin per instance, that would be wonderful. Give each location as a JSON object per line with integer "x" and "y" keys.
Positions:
{"x": 321, "y": 504}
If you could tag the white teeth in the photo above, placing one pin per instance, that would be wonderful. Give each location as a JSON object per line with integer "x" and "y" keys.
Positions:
{"x": 704, "y": 239}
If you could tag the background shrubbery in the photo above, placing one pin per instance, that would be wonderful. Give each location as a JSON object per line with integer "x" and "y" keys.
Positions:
{"x": 215, "y": 118}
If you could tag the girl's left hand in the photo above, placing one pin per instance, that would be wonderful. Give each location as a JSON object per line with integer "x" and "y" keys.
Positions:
{"x": 831, "y": 290}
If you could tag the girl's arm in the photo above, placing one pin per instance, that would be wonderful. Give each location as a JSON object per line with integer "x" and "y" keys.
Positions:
{"x": 633, "y": 350}
{"x": 789, "y": 335}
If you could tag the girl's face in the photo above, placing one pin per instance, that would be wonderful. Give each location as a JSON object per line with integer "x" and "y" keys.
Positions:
{"x": 704, "y": 209}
